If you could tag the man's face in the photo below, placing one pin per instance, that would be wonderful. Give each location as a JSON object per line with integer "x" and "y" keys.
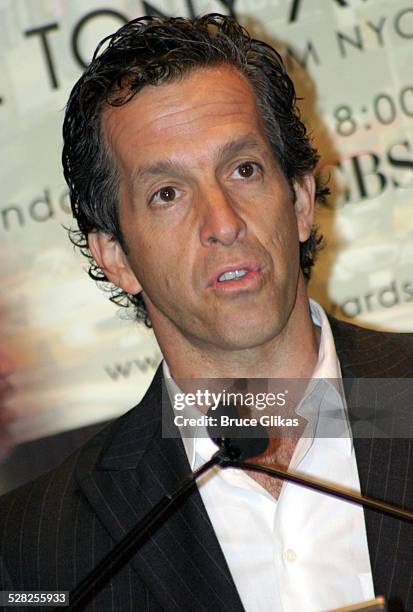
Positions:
{"x": 202, "y": 200}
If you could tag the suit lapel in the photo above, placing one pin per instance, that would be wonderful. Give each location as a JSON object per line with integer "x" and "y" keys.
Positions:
{"x": 182, "y": 563}
{"x": 383, "y": 463}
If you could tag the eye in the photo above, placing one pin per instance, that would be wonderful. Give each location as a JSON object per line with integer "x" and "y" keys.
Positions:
{"x": 165, "y": 195}
{"x": 246, "y": 170}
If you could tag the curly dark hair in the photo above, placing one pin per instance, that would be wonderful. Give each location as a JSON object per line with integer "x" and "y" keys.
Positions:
{"x": 155, "y": 50}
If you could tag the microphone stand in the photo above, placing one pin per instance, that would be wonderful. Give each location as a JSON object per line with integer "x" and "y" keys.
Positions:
{"x": 124, "y": 550}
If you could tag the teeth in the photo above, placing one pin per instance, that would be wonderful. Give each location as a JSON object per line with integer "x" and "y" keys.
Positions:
{"x": 232, "y": 275}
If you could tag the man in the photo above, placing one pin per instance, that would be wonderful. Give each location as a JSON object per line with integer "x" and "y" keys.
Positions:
{"x": 191, "y": 179}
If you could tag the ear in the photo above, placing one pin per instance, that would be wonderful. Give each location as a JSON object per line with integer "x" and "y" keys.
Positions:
{"x": 111, "y": 259}
{"x": 304, "y": 205}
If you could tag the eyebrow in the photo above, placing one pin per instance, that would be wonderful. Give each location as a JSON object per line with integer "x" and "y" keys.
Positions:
{"x": 234, "y": 147}
{"x": 174, "y": 168}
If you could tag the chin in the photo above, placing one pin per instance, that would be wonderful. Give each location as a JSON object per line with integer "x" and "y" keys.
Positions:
{"x": 246, "y": 336}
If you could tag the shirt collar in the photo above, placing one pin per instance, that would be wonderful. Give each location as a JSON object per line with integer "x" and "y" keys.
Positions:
{"x": 328, "y": 365}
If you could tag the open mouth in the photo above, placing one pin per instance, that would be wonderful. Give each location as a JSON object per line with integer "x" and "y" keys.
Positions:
{"x": 232, "y": 275}
{"x": 242, "y": 276}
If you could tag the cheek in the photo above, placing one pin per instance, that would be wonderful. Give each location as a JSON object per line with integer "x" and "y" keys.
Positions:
{"x": 138, "y": 254}
{"x": 280, "y": 230}
{"x": 159, "y": 269}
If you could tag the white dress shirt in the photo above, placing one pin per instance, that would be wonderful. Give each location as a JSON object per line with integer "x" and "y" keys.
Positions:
{"x": 305, "y": 551}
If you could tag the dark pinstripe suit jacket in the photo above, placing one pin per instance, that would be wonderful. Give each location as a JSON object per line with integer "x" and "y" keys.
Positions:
{"x": 54, "y": 530}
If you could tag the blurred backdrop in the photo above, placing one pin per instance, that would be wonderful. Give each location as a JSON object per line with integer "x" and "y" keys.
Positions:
{"x": 68, "y": 360}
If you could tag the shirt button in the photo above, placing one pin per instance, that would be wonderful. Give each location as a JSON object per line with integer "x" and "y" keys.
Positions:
{"x": 290, "y": 555}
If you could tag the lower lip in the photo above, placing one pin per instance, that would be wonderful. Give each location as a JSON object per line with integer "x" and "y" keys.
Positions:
{"x": 248, "y": 282}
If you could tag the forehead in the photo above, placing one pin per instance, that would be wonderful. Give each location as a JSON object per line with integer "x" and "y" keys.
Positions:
{"x": 206, "y": 104}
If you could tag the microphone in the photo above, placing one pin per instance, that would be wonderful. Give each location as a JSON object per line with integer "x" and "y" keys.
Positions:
{"x": 242, "y": 448}
{"x": 236, "y": 441}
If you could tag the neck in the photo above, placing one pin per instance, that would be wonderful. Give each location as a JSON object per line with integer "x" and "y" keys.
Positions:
{"x": 293, "y": 353}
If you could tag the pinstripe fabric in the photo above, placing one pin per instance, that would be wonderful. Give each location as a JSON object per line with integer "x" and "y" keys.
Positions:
{"x": 54, "y": 530}
{"x": 385, "y": 465}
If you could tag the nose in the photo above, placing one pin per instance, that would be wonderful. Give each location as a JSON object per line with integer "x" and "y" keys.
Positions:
{"x": 221, "y": 221}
